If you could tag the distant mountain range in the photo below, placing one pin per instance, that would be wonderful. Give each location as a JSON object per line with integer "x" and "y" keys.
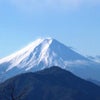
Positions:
{"x": 44, "y": 53}
{"x": 96, "y": 58}
{"x": 50, "y": 84}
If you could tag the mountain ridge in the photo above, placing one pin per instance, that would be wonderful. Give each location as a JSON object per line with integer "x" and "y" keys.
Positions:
{"x": 44, "y": 53}
{"x": 52, "y": 83}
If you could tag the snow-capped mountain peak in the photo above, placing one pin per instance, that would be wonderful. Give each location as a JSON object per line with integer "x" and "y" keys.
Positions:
{"x": 23, "y": 53}
{"x": 41, "y": 54}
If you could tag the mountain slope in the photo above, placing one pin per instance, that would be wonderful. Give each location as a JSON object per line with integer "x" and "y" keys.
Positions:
{"x": 44, "y": 53}
{"x": 49, "y": 84}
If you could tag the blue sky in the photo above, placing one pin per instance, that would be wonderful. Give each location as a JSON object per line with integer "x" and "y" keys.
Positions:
{"x": 75, "y": 23}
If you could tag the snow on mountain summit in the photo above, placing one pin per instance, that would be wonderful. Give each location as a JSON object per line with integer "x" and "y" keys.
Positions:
{"x": 41, "y": 47}
{"x": 41, "y": 54}
{"x": 27, "y": 49}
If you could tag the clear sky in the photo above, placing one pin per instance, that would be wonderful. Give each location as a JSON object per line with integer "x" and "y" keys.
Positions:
{"x": 75, "y": 23}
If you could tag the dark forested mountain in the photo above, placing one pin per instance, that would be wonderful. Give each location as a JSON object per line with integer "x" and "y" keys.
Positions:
{"x": 49, "y": 84}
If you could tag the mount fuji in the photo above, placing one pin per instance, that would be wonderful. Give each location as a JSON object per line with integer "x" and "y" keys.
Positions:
{"x": 44, "y": 53}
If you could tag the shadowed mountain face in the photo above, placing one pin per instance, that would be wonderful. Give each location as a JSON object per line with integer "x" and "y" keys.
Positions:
{"x": 50, "y": 84}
